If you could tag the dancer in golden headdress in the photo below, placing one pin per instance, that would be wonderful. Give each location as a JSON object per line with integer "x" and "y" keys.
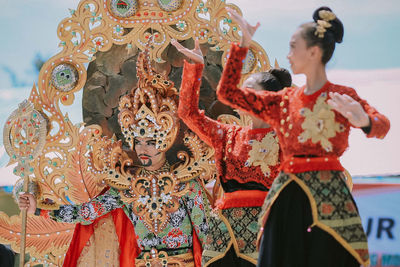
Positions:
{"x": 165, "y": 202}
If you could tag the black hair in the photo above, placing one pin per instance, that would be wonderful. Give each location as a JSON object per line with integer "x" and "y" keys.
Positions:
{"x": 333, "y": 34}
{"x": 273, "y": 80}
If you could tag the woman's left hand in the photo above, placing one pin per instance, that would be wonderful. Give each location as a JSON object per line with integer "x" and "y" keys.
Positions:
{"x": 195, "y": 54}
{"x": 350, "y": 109}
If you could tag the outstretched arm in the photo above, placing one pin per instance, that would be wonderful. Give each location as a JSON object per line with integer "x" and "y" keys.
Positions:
{"x": 86, "y": 213}
{"x": 360, "y": 114}
{"x": 209, "y": 130}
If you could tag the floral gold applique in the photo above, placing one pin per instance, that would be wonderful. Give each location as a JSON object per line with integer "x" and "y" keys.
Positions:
{"x": 264, "y": 153}
{"x": 319, "y": 124}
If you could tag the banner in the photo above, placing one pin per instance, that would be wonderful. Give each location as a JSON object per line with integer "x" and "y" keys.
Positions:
{"x": 378, "y": 201}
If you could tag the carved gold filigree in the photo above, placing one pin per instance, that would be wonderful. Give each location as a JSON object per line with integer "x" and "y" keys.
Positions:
{"x": 154, "y": 196}
{"x": 24, "y": 137}
{"x": 243, "y": 120}
{"x": 150, "y": 108}
{"x": 155, "y": 258}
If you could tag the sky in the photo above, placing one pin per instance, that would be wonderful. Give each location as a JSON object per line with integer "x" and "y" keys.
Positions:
{"x": 368, "y": 59}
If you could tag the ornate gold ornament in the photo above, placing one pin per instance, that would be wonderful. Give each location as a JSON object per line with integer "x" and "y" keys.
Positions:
{"x": 243, "y": 120}
{"x": 319, "y": 124}
{"x": 161, "y": 259}
{"x": 150, "y": 109}
{"x": 155, "y": 195}
{"x": 68, "y": 169}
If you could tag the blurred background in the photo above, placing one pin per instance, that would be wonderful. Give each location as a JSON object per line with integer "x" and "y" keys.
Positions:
{"x": 367, "y": 60}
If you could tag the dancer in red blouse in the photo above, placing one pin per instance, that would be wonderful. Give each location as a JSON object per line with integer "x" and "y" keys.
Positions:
{"x": 310, "y": 216}
{"x": 247, "y": 159}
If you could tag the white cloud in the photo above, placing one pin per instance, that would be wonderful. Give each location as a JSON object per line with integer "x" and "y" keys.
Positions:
{"x": 7, "y": 176}
{"x": 14, "y": 94}
{"x": 14, "y": 9}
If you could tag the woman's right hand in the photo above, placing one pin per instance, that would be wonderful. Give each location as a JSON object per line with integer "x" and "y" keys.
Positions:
{"x": 196, "y": 55}
{"x": 247, "y": 30}
{"x": 27, "y": 201}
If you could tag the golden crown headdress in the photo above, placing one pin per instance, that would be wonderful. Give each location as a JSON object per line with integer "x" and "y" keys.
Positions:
{"x": 149, "y": 110}
{"x": 323, "y": 23}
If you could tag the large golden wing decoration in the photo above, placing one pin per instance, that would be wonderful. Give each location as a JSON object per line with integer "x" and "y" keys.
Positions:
{"x": 47, "y": 240}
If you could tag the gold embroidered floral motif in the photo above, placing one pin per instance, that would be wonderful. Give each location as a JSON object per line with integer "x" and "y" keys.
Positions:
{"x": 319, "y": 124}
{"x": 264, "y": 153}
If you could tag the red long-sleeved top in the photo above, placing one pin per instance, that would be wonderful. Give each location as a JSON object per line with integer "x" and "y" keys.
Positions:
{"x": 241, "y": 153}
{"x": 312, "y": 135}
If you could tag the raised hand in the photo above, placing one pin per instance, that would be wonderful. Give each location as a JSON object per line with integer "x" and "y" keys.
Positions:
{"x": 349, "y": 108}
{"x": 27, "y": 201}
{"x": 196, "y": 55}
{"x": 247, "y": 29}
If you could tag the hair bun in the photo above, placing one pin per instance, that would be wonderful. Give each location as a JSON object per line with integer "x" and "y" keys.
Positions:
{"x": 283, "y": 76}
{"x": 337, "y": 26}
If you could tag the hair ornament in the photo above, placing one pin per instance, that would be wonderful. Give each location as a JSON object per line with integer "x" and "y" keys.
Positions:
{"x": 323, "y": 22}
{"x": 150, "y": 109}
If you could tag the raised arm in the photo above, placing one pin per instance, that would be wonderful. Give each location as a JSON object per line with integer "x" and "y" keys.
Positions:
{"x": 262, "y": 104}
{"x": 86, "y": 213}
{"x": 209, "y": 130}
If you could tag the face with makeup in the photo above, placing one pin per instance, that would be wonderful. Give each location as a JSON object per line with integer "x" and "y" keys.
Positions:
{"x": 148, "y": 155}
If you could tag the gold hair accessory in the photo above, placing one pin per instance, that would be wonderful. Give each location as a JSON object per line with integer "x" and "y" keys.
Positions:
{"x": 323, "y": 23}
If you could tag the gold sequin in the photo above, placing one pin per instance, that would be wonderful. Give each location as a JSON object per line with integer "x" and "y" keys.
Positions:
{"x": 284, "y": 110}
{"x": 290, "y": 126}
{"x": 229, "y": 150}
{"x": 282, "y": 122}
{"x": 286, "y": 135}
{"x": 282, "y": 104}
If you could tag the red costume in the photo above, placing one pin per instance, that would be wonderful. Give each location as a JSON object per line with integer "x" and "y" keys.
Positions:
{"x": 247, "y": 161}
{"x": 312, "y": 138}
